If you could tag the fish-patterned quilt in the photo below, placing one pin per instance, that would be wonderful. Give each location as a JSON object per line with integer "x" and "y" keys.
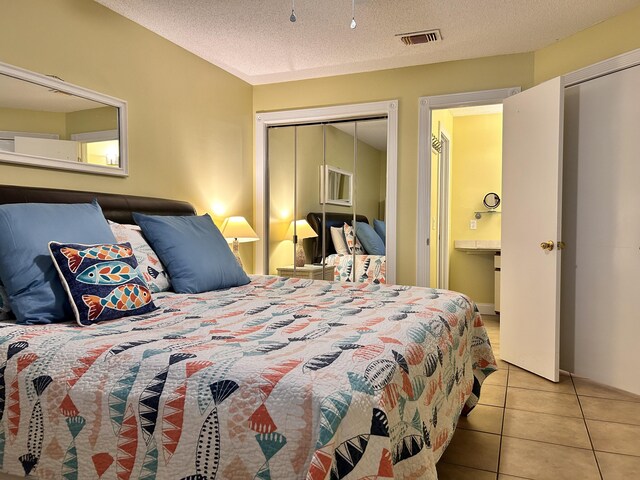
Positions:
{"x": 278, "y": 379}
{"x": 369, "y": 268}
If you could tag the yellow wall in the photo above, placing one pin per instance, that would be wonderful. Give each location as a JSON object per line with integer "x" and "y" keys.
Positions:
{"x": 406, "y": 85}
{"x": 339, "y": 153}
{"x": 476, "y": 171}
{"x": 92, "y": 120}
{"x": 190, "y": 123}
{"x": 18, "y": 120}
{"x": 602, "y": 41}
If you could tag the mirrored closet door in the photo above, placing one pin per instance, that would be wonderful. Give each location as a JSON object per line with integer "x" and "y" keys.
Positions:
{"x": 327, "y": 188}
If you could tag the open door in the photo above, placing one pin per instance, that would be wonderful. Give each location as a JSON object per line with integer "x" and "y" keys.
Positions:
{"x": 531, "y": 228}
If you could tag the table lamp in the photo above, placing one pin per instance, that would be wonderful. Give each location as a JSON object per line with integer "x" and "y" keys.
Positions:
{"x": 302, "y": 230}
{"x": 238, "y": 230}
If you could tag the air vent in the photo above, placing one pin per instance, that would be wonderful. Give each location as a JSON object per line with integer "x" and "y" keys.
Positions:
{"x": 416, "y": 38}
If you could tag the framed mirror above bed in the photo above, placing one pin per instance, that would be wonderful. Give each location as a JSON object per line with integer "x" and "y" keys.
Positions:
{"x": 47, "y": 122}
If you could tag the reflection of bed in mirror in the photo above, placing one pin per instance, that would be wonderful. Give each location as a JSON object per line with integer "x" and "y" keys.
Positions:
{"x": 368, "y": 267}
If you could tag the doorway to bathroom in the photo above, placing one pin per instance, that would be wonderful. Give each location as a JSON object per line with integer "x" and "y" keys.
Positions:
{"x": 466, "y": 186}
{"x": 460, "y": 182}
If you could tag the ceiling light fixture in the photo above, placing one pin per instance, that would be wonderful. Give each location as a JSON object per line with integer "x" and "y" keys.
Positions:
{"x": 353, "y": 24}
{"x": 293, "y": 17}
{"x": 353, "y": 15}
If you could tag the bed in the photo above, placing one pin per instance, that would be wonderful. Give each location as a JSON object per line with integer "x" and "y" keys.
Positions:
{"x": 368, "y": 268}
{"x": 277, "y": 379}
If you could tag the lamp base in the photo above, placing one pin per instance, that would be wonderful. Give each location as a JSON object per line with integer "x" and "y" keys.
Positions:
{"x": 301, "y": 258}
{"x": 236, "y": 252}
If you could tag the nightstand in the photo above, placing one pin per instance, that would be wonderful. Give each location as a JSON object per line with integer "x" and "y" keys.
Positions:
{"x": 312, "y": 272}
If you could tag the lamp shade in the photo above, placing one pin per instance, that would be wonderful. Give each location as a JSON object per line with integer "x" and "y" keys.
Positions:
{"x": 303, "y": 230}
{"x": 237, "y": 228}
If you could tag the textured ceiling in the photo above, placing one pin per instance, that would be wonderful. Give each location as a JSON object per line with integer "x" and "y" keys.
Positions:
{"x": 255, "y": 40}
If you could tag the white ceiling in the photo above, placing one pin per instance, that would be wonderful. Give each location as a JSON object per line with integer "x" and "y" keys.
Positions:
{"x": 20, "y": 94}
{"x": 371, "y": 132}
{"x": 255, "y": 40}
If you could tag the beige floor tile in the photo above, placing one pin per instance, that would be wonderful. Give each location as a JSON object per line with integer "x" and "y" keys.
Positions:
{"x": 447, "y": 471}
{"x": 546, "y": 428}
{"x": 544, "y": 461}
{"x": 543, "y": 402}
{"x": 502, "y": 365}
{"x": 483, "y": 418}
{"x": 615, "y": 437}
{"x": 616, "y": 467}
{"x": 523, "y": 379}
{"x": 610, "y": 410}
{"x": 589, "y": 388}
{"x": 498, "y": 377}
{"x": 492, "y": 395}
{"x": 473, "y": 449}
{"x": 510, "y": 477}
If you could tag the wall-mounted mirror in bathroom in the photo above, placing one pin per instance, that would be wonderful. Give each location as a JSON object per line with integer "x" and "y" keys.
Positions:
{"x": 491, "y": 200}
{"x": 46, "y": 122}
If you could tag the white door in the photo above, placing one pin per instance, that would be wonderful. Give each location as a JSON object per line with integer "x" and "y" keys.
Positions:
{"x": 531, "y": 215}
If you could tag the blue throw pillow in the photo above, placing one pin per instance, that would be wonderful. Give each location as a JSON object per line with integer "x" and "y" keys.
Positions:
{"x": 26, "y": 269}
{"x": 194, "y": 252}
{"x": 5, "y": 308}
{"x": 369, "y": 239}
{"x": 381, "y": 229}
{"x": 102, "y": 281}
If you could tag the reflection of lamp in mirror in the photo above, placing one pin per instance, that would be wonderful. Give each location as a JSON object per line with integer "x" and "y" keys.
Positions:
{"x": 238, "y": 230}
{"x": 302, "y": 230}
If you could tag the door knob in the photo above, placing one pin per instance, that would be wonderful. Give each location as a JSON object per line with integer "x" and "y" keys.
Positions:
{"x": 548, "y": 246}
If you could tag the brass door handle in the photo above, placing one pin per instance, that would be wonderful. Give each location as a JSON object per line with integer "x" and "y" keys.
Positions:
{"x": 548, "y": 246}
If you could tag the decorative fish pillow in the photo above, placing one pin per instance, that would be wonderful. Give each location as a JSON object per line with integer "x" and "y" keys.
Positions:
{"x": 352, "y": 240}
{"x": 5, "y": 308}
{"x": 149, "y": 264}
{"x": 102, "y": 281}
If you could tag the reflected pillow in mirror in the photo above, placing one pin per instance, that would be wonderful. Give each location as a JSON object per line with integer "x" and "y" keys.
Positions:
{"x": 149, "y": 264}
{"x": 353, "y": 244}
{"x": 102, "y": 281}
{"x": 381, "y": 229}
{"x": 339, "y": 243}
{"x": 370, "y": 240}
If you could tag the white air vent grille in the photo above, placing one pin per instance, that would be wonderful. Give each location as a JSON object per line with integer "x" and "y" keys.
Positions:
{"x": 417, "y": 38}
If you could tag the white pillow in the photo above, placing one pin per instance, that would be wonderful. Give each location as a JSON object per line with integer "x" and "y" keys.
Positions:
{"x": 149, "y": 264}
{"x": 339, "y": 243}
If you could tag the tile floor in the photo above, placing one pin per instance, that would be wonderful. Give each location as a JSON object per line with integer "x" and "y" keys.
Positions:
{"x": 526, "y": 427}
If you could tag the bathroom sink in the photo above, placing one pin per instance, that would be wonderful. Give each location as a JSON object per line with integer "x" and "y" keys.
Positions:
{"x": 477, "y": 246}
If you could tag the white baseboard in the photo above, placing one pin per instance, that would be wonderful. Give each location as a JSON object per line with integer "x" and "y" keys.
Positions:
{"x": 486, "y": 308}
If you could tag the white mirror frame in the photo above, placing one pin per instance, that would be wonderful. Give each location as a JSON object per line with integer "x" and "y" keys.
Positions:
{"x": 324, "y": 186}
{"x": 47, "y": 162}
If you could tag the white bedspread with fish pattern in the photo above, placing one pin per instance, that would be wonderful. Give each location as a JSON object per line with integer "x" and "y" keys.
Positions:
{"x": 278, "y": 379}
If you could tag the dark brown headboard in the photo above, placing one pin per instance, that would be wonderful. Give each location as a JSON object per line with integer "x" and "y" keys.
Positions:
{"x": 117, "y": 208}
{"x": 332, "y": 219}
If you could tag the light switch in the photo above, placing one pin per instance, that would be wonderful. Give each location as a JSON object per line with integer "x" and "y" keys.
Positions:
{"x": 473, "y": 224}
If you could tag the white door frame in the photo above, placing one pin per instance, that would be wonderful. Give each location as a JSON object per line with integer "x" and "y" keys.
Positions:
{"x": 444, "y": 218}
{"x": 426, "y": 105}
{"x": 325, "y": 114}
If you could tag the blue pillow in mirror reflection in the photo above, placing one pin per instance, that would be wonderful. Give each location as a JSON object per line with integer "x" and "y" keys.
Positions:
{"x": 369, "y": 239}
